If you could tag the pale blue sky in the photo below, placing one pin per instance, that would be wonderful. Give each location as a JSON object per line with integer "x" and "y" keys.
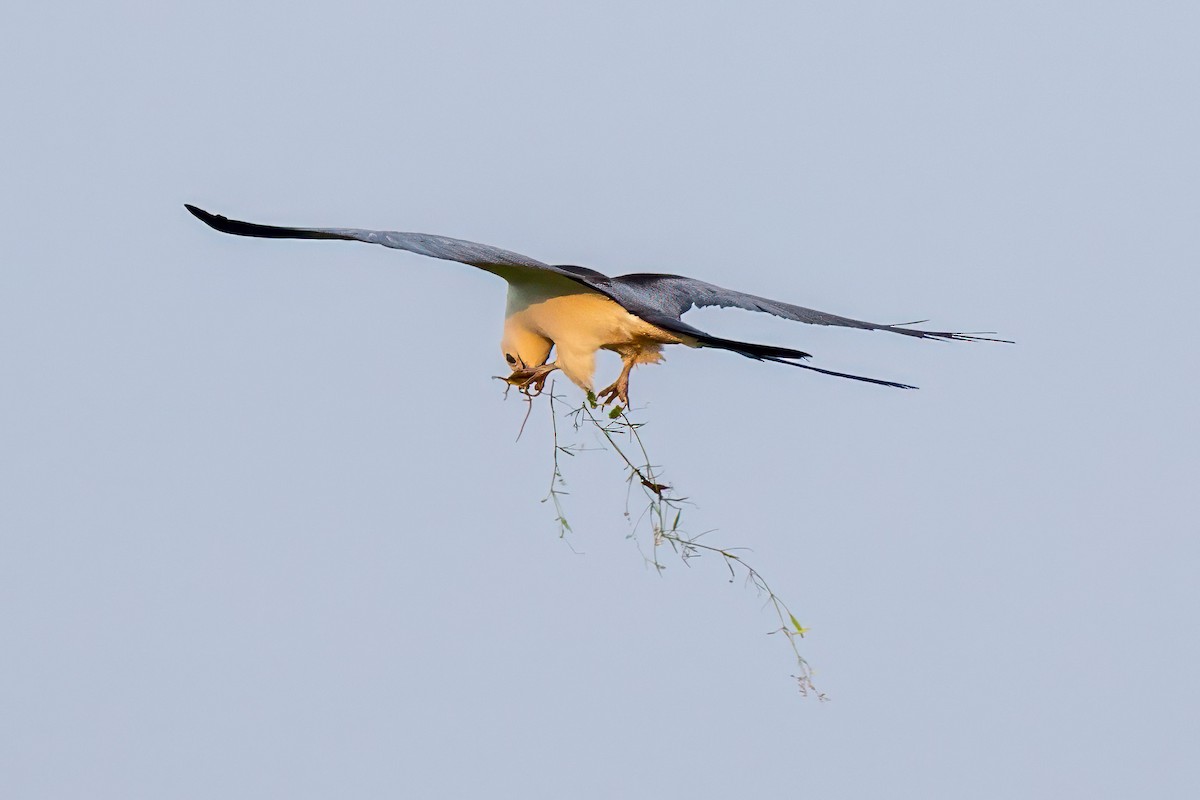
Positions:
{"x": 264, "y": 527}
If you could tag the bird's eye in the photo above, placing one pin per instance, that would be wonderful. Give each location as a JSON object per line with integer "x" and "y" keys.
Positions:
{"x": 508, "y": 357}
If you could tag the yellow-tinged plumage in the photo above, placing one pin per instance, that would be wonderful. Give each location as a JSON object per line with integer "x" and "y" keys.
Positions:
{"x": 559, "y": 313}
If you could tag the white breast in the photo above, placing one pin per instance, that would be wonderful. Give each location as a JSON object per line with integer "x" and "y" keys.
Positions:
{"x": 579, "y": 322}
{"x": 582, "y": 319}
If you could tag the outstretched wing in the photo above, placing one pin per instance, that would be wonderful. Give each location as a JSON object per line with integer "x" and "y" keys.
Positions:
{"x": 673, "y": 295}
{"x": 485, "y": 257}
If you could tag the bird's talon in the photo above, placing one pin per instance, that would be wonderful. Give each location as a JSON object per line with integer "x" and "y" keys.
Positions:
{"x": 614, "y": 392}
{"x": 530, "y": 381}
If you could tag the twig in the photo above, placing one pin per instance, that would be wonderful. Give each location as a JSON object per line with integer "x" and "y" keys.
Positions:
{"x": 556, "y": 479}
{"x": 528, "y": 411}
{"x": 665, "y": 512}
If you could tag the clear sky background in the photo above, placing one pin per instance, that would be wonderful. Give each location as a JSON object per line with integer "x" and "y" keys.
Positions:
{"x": 264, "y": 527}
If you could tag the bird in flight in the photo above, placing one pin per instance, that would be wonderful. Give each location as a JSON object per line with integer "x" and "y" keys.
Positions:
{"x": 576, "y": 311}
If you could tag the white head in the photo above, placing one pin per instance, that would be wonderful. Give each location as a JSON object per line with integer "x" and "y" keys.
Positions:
{"x": 524, "y": 349}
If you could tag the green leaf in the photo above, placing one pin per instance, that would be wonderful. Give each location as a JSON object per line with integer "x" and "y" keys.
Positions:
{"x": 616, "y": 412}
{"x": 800, "y": 629}
{"x": 591, "y": 398}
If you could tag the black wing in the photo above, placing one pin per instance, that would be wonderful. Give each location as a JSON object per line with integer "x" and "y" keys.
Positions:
{"x": 486, "y": 257}
{"x": 673, "y": 295}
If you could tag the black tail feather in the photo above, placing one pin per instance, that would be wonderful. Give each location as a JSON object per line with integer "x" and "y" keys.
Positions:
{"x": 761, "y": 352}
{"x": 875, "y": 381}
{"x": 784, "y": 355}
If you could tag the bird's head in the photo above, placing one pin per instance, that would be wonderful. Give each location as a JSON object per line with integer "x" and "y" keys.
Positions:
{"x": 524, "y": 349}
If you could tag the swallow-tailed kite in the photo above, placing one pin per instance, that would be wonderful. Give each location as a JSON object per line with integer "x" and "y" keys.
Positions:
{"x": 576, "y": 311}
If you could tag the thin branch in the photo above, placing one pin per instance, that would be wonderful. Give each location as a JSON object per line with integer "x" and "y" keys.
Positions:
{"x": 556, "y": 478}
{"x": 664, "y": 512}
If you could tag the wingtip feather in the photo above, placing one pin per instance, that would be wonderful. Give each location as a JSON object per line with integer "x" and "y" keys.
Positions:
{"x": 211, "y": 220}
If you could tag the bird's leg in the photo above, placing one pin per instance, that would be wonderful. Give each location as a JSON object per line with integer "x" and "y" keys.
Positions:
{"x": 620, "y": 388}
{"x": 530, "y": 380}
